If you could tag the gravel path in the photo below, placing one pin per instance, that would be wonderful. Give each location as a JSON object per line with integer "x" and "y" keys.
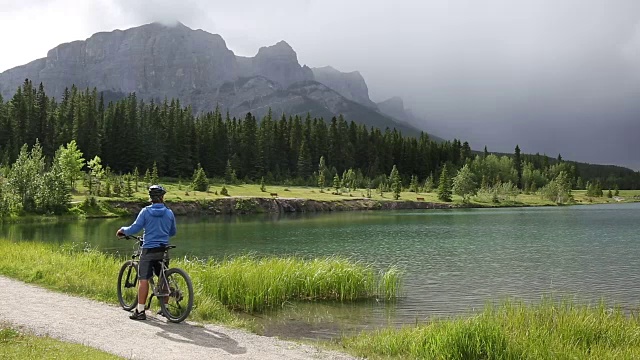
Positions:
{"x": 108, "y": 328}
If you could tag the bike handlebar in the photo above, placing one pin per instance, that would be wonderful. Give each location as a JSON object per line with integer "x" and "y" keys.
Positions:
{"x": 130, "y": 237}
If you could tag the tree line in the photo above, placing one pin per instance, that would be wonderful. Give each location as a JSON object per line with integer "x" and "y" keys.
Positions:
{"x": 132, "y": 135}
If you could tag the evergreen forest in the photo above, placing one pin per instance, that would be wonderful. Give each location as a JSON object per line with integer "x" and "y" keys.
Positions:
{"x": 131, "y": 135}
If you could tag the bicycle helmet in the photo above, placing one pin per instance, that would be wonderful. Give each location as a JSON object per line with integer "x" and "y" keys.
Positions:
{"x": 156, "y": 191}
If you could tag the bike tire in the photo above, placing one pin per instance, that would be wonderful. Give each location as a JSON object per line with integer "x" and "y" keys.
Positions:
{"x": 180, "y": 300}
{"x": 128, "y": 285}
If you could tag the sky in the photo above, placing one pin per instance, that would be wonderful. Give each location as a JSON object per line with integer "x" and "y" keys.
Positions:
{"x": 552, "y": 76}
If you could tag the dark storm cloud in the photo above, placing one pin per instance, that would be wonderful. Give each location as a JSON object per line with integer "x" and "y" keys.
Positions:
{"x": 552, "y": 76}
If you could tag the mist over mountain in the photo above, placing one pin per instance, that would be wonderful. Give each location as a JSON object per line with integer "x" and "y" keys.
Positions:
{"x": 157, "y": 61}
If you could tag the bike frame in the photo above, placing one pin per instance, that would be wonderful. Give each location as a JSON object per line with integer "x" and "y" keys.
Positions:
{"x": 162, "y": 278}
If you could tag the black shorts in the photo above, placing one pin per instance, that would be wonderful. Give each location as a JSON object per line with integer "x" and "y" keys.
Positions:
{"x": 150, "y": 263}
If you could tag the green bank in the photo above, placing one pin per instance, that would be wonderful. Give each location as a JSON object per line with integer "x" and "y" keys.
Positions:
{"x": 512, "y": 330}
{"x": 17, "y": 345}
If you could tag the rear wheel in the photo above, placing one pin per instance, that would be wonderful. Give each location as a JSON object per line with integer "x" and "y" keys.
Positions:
{"x": 128, "y": 285}
{"x": 178, "y": 304}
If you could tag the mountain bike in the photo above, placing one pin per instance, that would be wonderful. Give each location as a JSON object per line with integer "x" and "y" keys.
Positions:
{"x": 173, "y": 289}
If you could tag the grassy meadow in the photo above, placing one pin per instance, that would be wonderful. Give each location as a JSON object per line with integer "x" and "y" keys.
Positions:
{"x": 178, "y": 191}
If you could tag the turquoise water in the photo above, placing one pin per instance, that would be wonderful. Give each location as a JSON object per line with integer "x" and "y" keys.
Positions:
{"x": 454, "y": 261}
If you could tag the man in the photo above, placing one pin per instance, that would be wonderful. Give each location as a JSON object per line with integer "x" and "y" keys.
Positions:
{"x": 159, "y": 224}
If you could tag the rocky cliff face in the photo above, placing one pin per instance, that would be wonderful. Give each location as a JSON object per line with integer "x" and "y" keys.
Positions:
{"x": 350, "y": 85}
{"x": 157, "y": 61}
{"x": 393, "y": 107}
{"x": 152, "y": 60}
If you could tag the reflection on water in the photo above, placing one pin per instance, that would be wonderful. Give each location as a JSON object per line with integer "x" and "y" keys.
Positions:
{"x": 454, "y": 260}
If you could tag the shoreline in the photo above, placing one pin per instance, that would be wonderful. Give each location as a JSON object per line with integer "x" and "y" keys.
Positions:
{"x": 241, "y": 205}
{"x": 106, "y": 208}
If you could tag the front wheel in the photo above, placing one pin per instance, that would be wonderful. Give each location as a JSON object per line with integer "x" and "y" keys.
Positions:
{"x": 128, "y": 285}
{"x": 178, "y": 304}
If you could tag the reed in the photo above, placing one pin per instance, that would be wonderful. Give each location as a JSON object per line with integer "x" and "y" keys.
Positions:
{"x": 252, "y": 283}
{"x": 512, "y": 330}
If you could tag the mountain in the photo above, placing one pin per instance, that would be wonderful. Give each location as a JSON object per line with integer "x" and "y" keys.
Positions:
{"x": 157, "y": 62}
{"x": 350, "y": 85}
{"x": 394, "y": 108}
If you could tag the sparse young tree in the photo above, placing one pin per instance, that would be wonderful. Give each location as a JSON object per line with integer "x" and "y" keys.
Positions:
{"x": 25, "y": 176}
{"x": 429, "y": 184}
{"x": 54, "y": 195}
{"x": 95, "y": 175}
{"x": 413, "y": 186}
{"x": 71, "y": 163}
{"x": 136, "y": 178}
{"x": 558, "y": 190}
{"x": 263, "y": 188}
{"x": 463, "y": 184}
{"x": 322, "y": 169}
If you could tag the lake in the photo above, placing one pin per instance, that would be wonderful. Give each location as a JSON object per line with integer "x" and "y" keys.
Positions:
{"x": 454, "y": 261}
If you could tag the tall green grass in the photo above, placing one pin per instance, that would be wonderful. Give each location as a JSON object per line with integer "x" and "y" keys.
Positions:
{"x": 513, "y": 330}
{"x": 244, "y": 283}
{"x": 254, "y": 283}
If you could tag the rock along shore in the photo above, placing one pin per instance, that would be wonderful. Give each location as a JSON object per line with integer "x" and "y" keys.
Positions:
{"x": 255, "y": 205}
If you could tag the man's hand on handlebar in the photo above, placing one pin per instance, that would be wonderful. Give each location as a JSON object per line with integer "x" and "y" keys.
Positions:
{"x": 120, "y": 234}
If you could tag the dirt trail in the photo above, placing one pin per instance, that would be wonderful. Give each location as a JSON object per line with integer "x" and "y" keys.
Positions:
{"x": 108, "y": 328}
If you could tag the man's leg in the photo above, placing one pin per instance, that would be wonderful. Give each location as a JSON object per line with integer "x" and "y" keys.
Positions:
{"x": 143, "y": 292}
{"x": 144, "y": 269}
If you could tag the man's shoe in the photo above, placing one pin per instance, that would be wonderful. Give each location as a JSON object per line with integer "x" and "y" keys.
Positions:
{"x": 138, "y": 315}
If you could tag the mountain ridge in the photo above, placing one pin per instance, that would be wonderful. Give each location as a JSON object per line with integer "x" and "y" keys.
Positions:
{"x": 156, "y": 61}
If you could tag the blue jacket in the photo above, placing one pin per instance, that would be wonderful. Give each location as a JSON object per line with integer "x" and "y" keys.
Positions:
{"x": 158, "y": 223}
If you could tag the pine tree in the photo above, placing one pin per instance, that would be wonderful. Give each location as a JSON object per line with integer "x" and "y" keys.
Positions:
{"x": 147, "y": 178}
{"x": 136, "y": 177}
{"x": 413, "y": 186}
{"x": 517, "y": 163}
{"x": 154, "y": 174}
{"x": 229, "y": 173}
{"x": 429, "y": 184}
{"x": 396, "y": 183}
{"x": 128, "y": 189}
{"x": 200, "y": 182}
{"x": 263, "y": 188}
{"x": 322, "y": 169}
{"x": 117, "y": 186}
{"x": 444, "y": 187}
{"x": 304, "y": 161}
{"x": 336, "y": 184}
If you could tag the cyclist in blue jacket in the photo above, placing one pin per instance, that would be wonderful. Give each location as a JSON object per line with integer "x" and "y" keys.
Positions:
{"x": 159, "y": 224}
